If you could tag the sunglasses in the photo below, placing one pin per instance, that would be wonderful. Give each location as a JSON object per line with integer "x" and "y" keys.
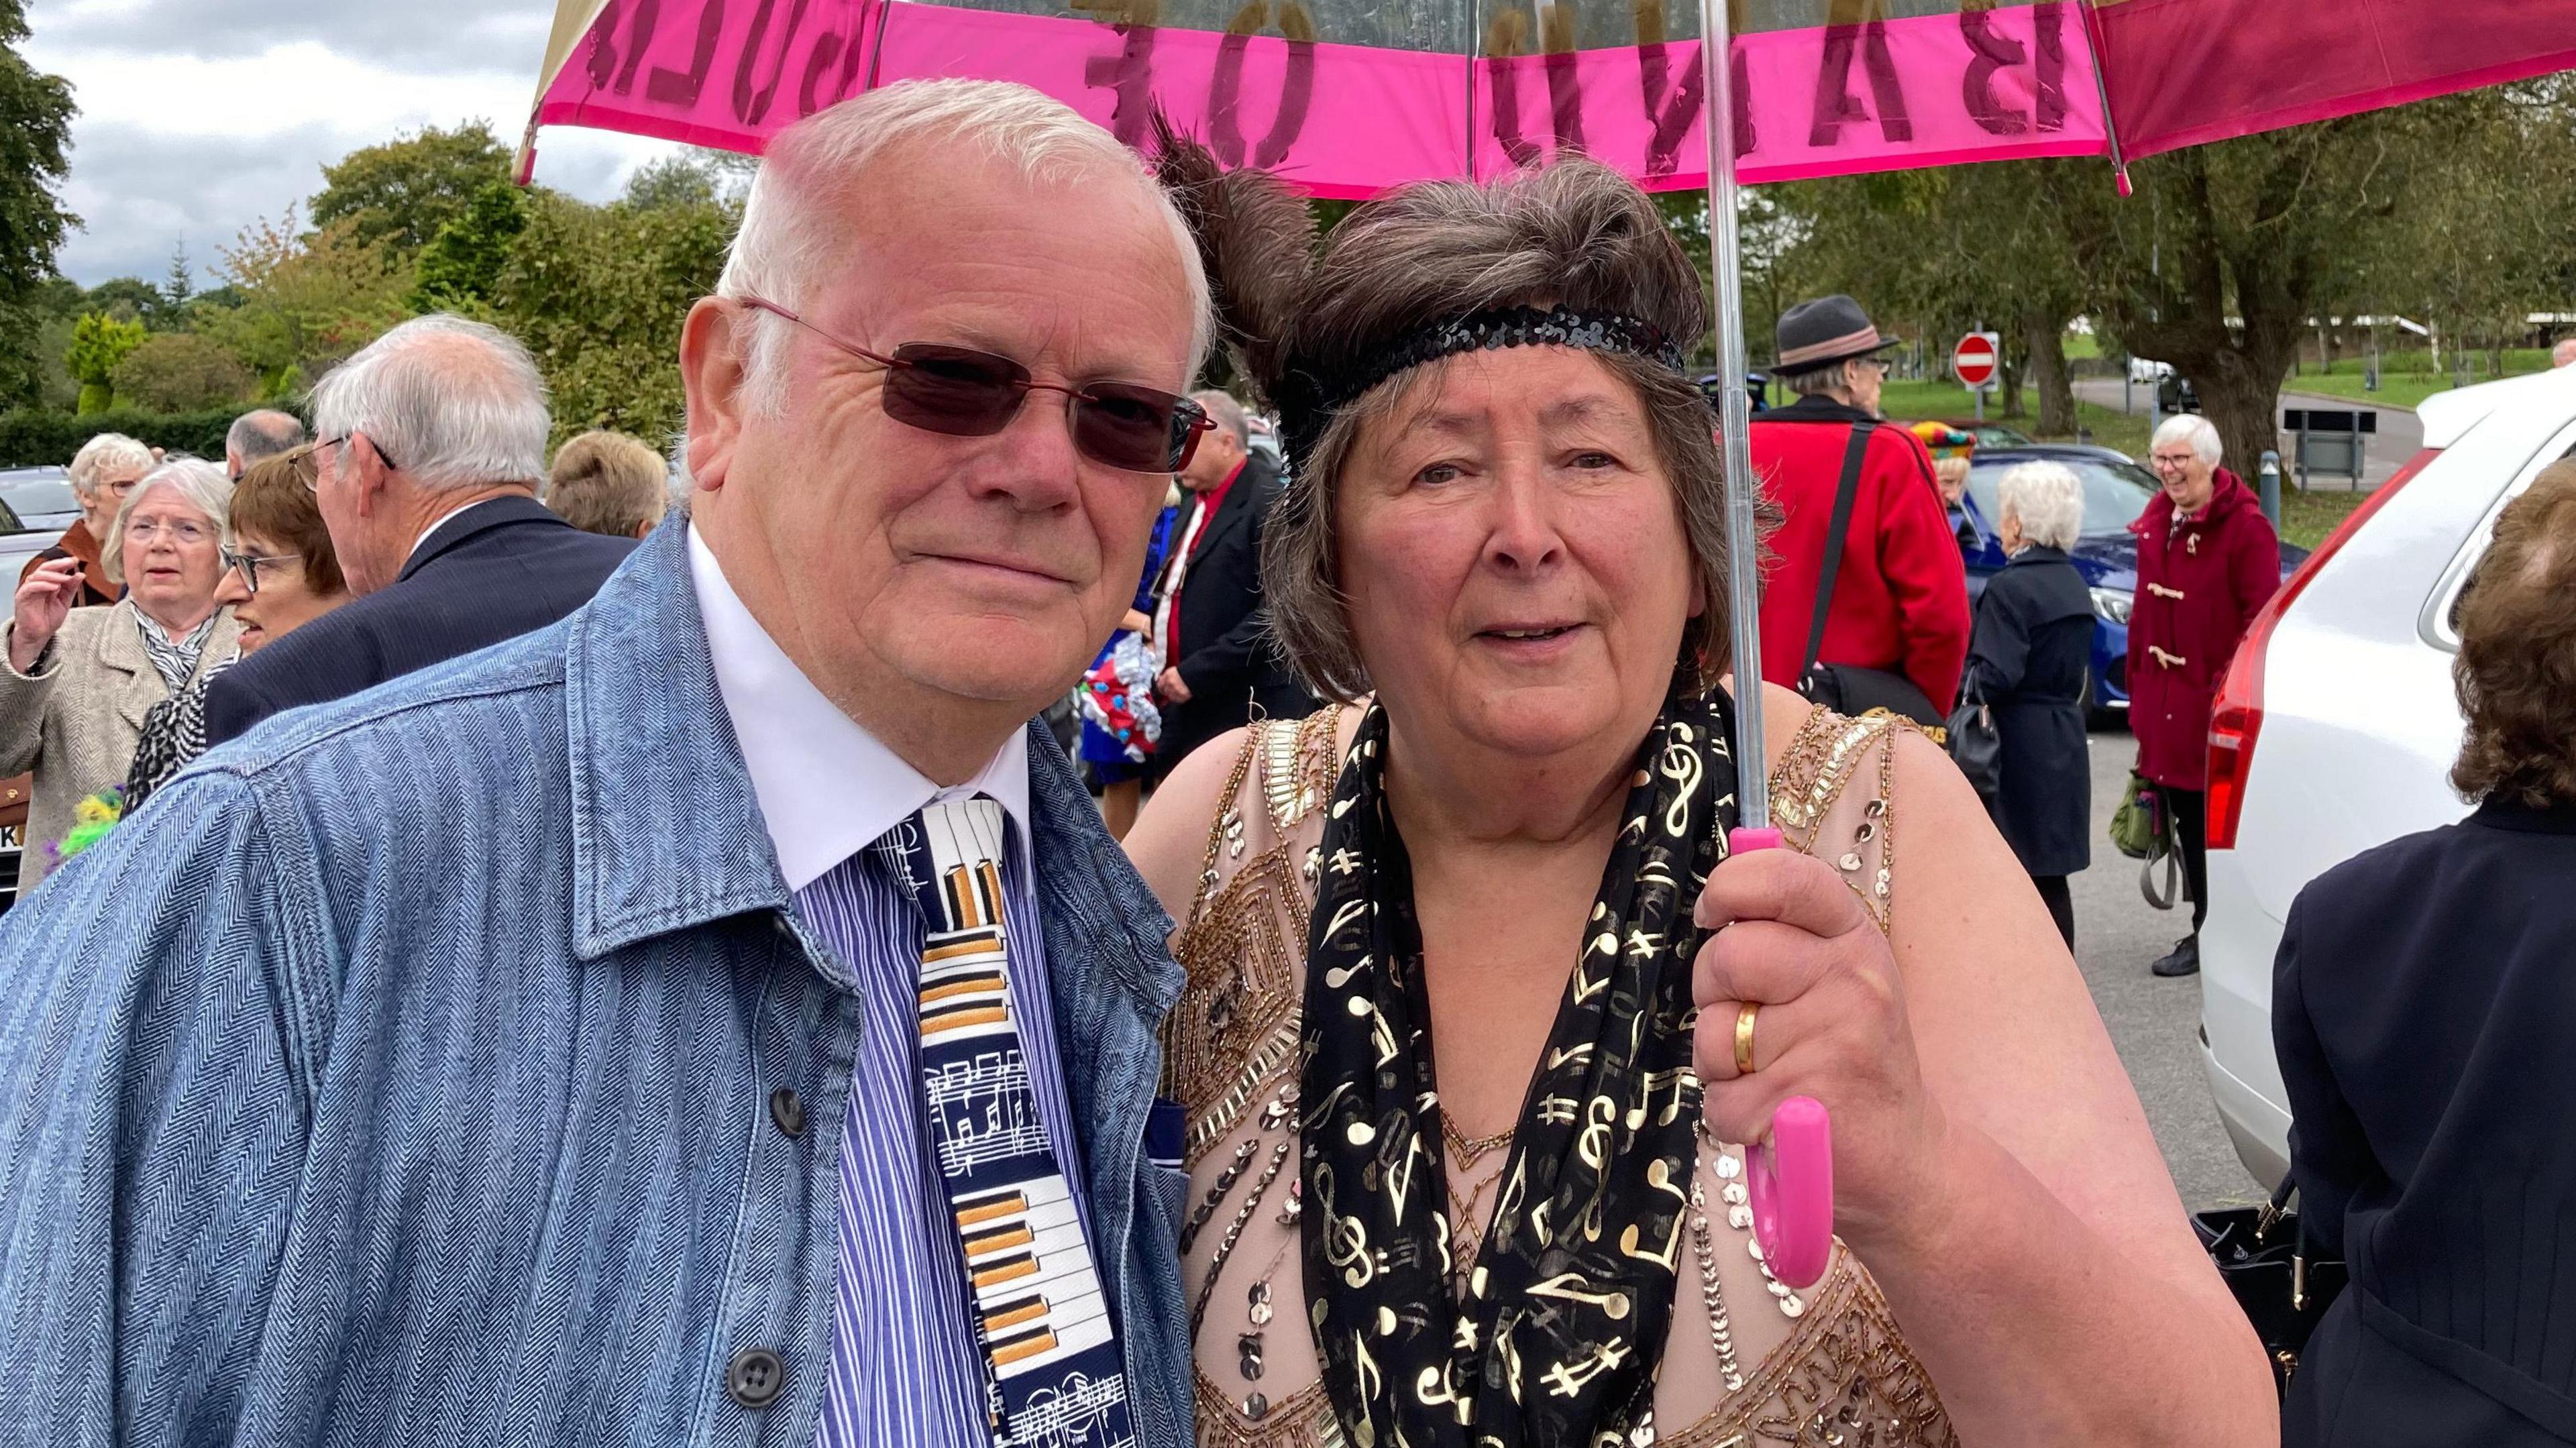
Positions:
{"x": 960, "y": 392}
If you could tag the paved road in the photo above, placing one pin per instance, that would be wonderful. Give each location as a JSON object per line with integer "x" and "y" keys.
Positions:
{"x": 2401, "y": 433}
{"x": 2153, "y": 1023}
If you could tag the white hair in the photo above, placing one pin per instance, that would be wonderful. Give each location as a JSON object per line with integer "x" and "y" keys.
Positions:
{"x": 2049, "y": 500}
{"x": 1225, "y": 412}
{"x": 107, "y": 450}
{"x": 451, "y": 403}
{"x": 790, "y": 232}
{"x": 202, "y": 485}
{"x": 2192, "y": 428}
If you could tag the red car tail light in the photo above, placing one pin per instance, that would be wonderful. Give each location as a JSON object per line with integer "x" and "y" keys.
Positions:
{"x": 2236, "y": 714}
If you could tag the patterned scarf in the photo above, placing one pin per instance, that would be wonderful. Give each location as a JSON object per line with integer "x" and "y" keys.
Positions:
{"x": 175, "y": 659}
{"x": 1562, "y": 1329}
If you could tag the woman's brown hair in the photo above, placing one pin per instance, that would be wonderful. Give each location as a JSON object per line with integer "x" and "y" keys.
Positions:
{"x": 2516, "y": 674}
{"x": 274, "y": 501}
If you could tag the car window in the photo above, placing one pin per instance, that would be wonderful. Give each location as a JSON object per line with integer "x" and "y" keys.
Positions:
{"x": 2440, "y": 625}
{"x": 9, "y": 519}
{"x": 40, "y": 495}
{"x": 2114, "y": 493}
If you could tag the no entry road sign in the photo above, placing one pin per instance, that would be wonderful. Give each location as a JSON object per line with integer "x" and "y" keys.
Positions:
{"x": 1976, "y": 358}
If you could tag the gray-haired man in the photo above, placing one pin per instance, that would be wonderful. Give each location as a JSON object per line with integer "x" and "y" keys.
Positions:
{"x": 257, "y": 435}
{"x": 715, "y": 1019}
{"x": 432, "y": 441}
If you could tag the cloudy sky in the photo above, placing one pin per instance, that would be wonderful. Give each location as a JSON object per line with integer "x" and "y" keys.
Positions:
{"x": 200, "y": 116}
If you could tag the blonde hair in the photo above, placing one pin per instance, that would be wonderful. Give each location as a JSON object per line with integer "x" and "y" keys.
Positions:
{"x": 607, "y": 482}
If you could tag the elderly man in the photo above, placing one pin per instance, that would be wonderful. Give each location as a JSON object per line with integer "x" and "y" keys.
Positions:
{"x": 1866, "y": 604}
{"x": 433, "y": 442}
{"x": 104, "y": 470}
{"x": 712, "y": 1019}
{"x": 2207, "y": 560}
{"x": 257, "y": 435}
{"x": 1222, "y": 667}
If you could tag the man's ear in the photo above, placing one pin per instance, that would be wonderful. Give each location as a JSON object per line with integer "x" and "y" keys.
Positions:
{"x": 367, "y": 476}
{"x": 712, "y": 346}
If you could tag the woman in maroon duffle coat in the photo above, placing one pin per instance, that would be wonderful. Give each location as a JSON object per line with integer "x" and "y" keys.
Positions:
{"x": 2207, "y": 560}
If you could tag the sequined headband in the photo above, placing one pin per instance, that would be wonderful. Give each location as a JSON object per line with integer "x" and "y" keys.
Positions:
{"x": 1308, "y": 402}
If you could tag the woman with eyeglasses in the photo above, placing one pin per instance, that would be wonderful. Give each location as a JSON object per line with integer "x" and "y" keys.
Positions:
{"x": 79, "y": 681}
{"x": 279, "y": 574}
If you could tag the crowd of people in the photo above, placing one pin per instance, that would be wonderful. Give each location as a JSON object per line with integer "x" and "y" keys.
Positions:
{"x": 656, "y": 959}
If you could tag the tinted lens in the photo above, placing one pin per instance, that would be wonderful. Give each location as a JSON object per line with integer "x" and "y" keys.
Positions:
{"x": 1136, "y": 428}
{"x": 953, "y": 390}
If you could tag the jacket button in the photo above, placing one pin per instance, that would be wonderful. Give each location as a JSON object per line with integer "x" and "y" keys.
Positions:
{"x": 754, "y": 1377}
{"x": 787, "y": 1110}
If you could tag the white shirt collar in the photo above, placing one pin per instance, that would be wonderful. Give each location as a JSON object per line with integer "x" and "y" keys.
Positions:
{"x": 827, "y": 788}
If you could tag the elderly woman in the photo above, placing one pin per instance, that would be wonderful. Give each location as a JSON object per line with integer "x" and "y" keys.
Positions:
{"x": 104, "y": 470}
{"x": 79, "y": 681}
{"x": 1461, "y": 1168}
{"x": 2027, "y": 661}
{"x": 2421, "y": 1007}
{"x": 279, "y": 574}
{"x": 2207, "y": 560}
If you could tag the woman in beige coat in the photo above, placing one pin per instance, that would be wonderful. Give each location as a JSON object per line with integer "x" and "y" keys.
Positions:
{"x": 78, "y": 681}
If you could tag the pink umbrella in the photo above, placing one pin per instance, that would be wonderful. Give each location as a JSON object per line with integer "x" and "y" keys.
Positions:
{"x": 1350, "y": 97}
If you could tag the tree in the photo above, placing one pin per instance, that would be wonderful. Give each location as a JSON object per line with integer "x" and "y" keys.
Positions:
{"x": 307, "y": 301}
{"x": 182, "y": 372}
{"x": 2227, "y": 251}
{"x": 598, "y": 293}
{"x": 35, "y": 138}
{"x": 127, "y": 299}
{"x": 462, "y": 264}
{"x": 401, "y": 192}
{"x": 180, "y": 286}
{"x": 674, "y": 181}
{"x": 99, "y": 344}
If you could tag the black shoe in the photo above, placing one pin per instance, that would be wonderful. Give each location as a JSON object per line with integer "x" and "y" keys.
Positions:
{"x": 2185, "y": 959}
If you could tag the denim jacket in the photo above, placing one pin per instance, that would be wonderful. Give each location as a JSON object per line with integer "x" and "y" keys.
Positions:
{"x": 403, "y": 1073}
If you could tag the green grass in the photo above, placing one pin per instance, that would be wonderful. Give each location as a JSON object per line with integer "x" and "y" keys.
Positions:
{"x": 2407, "y": 378}
{"x": 2306, "y": 518}
{"x": 2082, "y": 346}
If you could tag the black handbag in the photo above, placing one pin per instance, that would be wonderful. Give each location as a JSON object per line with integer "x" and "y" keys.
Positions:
{"x": 1975, "y": 745}
{"x": 2266, "y": 1258}
{"x": 1852, "y": 688}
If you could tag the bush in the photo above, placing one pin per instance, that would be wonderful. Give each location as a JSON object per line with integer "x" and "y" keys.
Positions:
{"x": 182, "y": 372}
{"x": 31, "y": 437}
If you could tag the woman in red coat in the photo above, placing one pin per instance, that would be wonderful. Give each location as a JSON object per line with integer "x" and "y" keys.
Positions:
{"x": 2207, "y": 559}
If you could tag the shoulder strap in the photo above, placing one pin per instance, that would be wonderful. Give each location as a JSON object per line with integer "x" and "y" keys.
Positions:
{"x": 1854, "y": 455}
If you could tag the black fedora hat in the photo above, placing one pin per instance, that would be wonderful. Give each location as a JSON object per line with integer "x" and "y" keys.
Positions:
{"x": 1826, "y": 331}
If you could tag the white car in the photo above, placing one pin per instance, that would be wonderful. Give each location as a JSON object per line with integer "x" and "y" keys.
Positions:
{"x": 2336, "y": 726}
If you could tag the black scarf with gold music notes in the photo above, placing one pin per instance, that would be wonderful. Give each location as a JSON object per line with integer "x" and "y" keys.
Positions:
{"x": 1562, "y": 1324}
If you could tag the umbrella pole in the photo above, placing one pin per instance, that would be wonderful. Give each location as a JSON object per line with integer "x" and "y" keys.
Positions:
{"x": 1735, "y": 422}
{"x": 1790, "y": 1173}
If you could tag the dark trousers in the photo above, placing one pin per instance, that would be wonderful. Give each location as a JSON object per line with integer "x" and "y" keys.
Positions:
{"x": 2054, "y": 893}
{"x": 2191, "y": 830}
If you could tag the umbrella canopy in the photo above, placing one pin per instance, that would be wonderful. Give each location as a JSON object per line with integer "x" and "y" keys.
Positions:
{"x": 1349, "y": 97}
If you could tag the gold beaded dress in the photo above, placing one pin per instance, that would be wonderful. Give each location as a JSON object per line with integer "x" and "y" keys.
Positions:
{"x": 1748, "y": 1361}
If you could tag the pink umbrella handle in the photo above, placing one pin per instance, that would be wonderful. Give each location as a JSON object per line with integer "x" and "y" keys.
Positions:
{"x": 1790, "y": 1172}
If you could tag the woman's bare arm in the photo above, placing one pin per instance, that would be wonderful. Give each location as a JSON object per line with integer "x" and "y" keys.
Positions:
{"x": 2051, "y": 1284}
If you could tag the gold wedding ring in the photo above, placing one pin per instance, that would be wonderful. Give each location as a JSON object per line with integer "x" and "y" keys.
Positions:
{"x": 1744, "y": 1037}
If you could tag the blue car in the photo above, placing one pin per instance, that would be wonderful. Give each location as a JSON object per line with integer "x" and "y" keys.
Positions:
{"x": 2116, "y": 491}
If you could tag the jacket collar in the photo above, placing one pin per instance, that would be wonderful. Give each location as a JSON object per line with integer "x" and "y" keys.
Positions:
{"x": 476, "y": 519}
{"x": 666, "y": 827}
{"x": 2228, "y": 494}
{"x": 1815, "y": 407}
{"x": 2500, "y": 813}
{"x": 2037, "y": 553}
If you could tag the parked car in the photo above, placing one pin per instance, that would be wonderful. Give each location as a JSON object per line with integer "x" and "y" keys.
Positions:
{"x": 1989, "y": 434}
{"x": 40, "y": 497}
{"x": 2116, "y": 491}
{"x": 2336, "y": 726}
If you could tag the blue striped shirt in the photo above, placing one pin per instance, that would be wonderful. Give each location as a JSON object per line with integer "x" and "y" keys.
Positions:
{"x": 906, "y": 1369}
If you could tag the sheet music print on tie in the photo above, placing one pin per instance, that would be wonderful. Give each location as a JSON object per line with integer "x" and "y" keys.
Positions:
{"x": 1052, "y": 1354}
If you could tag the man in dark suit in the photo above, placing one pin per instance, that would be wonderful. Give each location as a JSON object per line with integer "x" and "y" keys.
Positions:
{"x": 432, "y": 442}
{"x": 1220, "y": 660}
